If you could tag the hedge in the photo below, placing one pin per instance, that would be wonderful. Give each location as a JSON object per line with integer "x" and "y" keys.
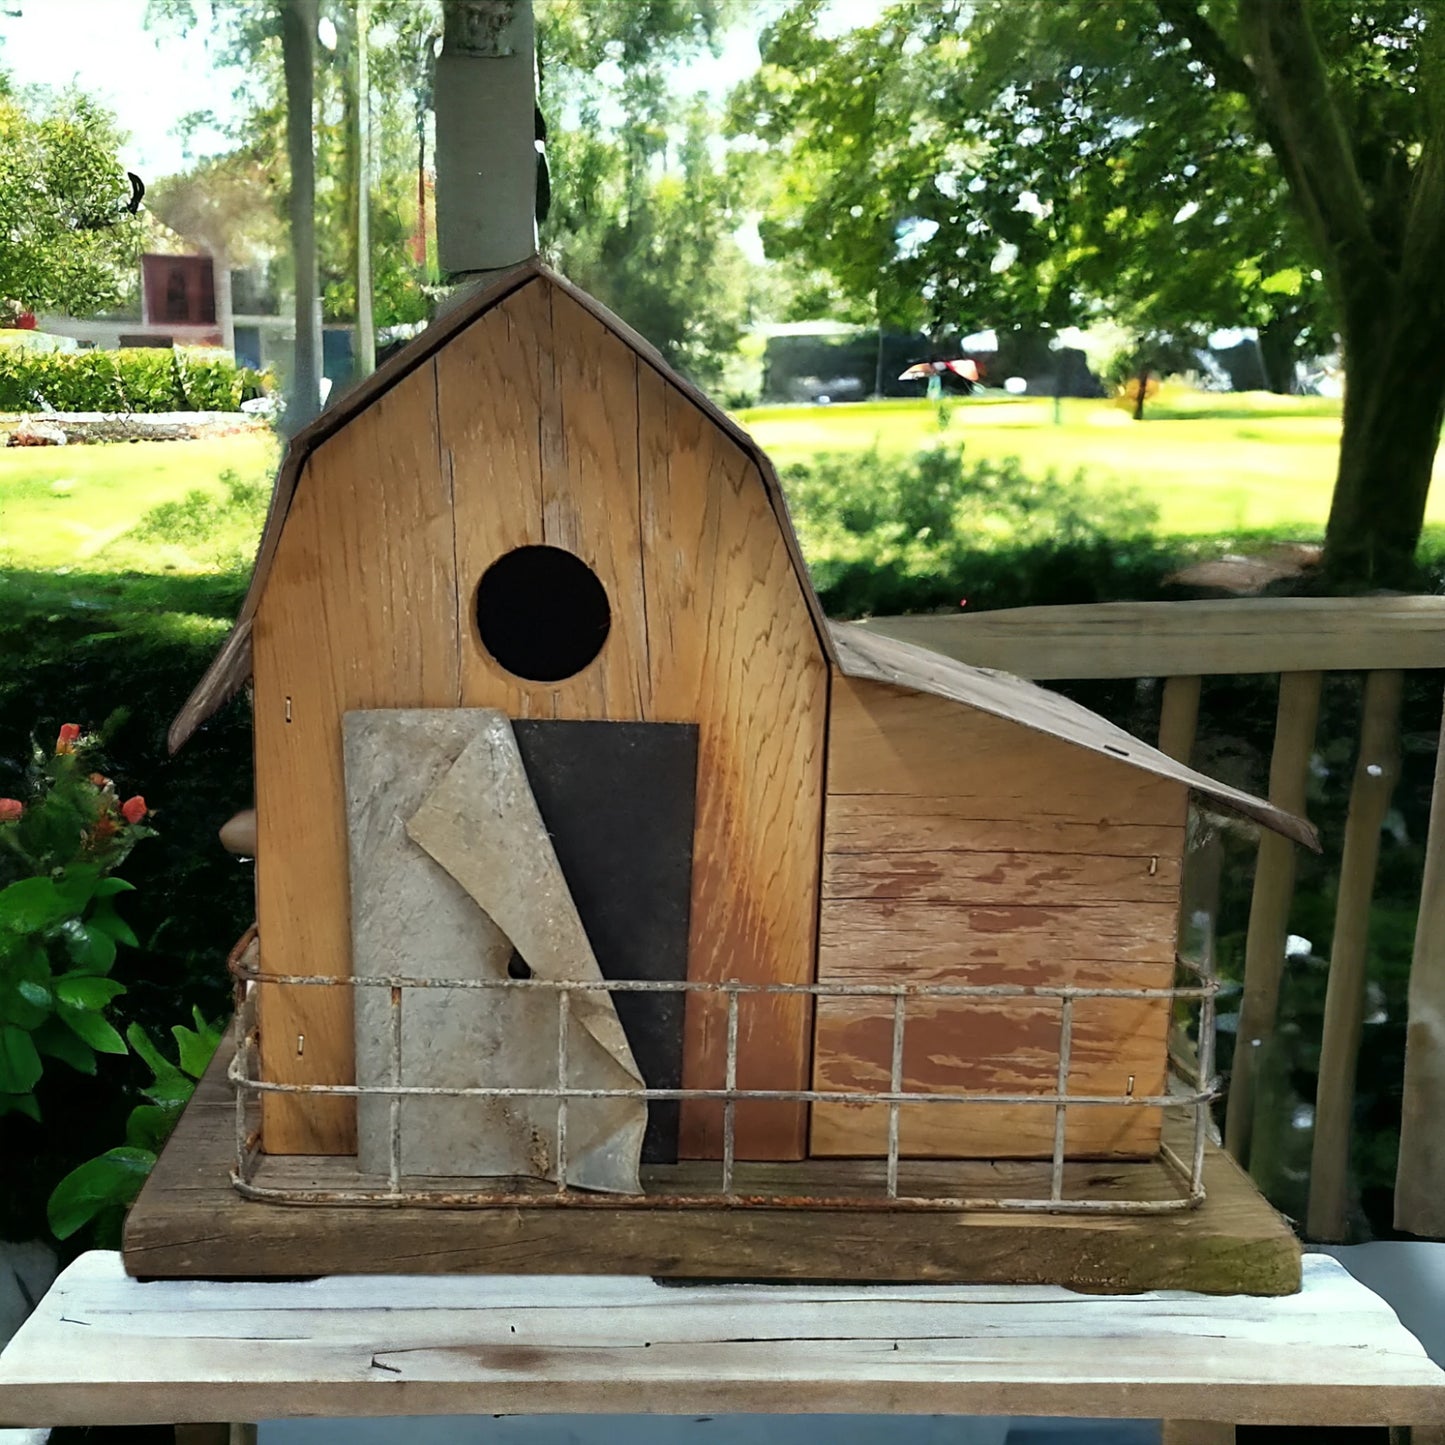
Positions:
{"x": 145, "y": 379}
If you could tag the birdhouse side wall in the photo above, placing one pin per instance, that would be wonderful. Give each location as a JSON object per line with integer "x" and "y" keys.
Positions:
{"x": 962, "y": 847}
{"x": 536, "y": 425}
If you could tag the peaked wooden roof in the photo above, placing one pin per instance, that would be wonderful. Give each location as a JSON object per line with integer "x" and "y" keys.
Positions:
{"x": 854, "y": 650}
{"x": 231, "y": 667}
{"x": 865, "y": 654}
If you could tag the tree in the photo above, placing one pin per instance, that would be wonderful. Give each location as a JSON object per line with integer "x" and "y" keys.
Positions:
{"x": 227, "y": 205}
{"x": 1348, "y": 99}
{"x": 278, "y": 40}
{"x": 654, "y": 242}
{"x": 298, "y": 19}
{"x": 1186, "y": 163}
{"x": 68, "y": 241}
{"x": 644, "y": 212}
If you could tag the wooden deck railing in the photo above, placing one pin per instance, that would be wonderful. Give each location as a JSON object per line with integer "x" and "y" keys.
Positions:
{"x": 1300, "y": 640}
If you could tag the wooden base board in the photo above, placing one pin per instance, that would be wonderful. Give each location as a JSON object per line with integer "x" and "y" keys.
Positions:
{"x": 189, "y": 1223}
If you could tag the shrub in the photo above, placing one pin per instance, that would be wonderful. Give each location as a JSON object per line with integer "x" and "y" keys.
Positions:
{"x": 220, "y": 531}
{"x": 888, "y": 534}
{"x": 58, "y": 924}
{"x": 143, "y": 379}
{"x": 73, "y": 646}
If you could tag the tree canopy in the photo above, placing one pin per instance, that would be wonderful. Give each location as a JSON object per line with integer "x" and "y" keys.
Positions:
{"x": 644, "y": 208}
{"x": 1177, "y": 164}
{"x": 68, "y": 241}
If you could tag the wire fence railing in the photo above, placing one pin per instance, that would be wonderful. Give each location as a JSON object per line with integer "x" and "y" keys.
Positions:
{"x": 1189, "y": 1089}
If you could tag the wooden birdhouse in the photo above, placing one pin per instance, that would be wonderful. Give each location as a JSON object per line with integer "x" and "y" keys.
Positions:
{"x": 596, "y": 868}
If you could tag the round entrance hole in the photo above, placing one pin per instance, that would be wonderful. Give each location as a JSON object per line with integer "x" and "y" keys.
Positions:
{"x": 542, "y": 613}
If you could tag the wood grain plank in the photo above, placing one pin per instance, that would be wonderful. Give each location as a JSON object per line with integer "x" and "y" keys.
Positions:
{"x": 1377, "y": 767}
{"x": 1168, "y": 639}
{"x": 1063, "y": 891}
{"x": 868, "y": 822}
{"x": 884, "y": 739}
{"x": 1296, "y": 722}
{"x": 733, "y": 649}
{"x": 994, "y": 1046}
{"x": 1420, "y": 1181}
{"x": 928, "y": 940}
{"x": 489, "y": 400}
{"x": 1334, "y": 1355}
{"x": 1179, "y": 716}
{"x": 590, "y": 506}
{"x": 872, "y": 657}
{"x": 959, "y": 877}
{"x": 190, "y": 1223}
{"x": 360, "y": 611}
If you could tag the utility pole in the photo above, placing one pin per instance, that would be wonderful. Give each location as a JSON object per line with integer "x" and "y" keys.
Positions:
{"x": 486, "y": 150}
{"x": 365, "y": 326}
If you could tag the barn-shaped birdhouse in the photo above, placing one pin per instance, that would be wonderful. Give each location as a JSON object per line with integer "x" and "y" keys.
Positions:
{"x": 610, "y": 896}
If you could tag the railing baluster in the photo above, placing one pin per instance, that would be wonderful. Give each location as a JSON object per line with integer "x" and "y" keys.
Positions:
{"x": 1375, "y": 773}
{"x": 1295, "y": 725}
{"x": 1420, "y": 1182}
{"x": 1179, "y": 716}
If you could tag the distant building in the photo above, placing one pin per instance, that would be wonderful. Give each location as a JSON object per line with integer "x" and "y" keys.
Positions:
{"x": 183, "y": 301}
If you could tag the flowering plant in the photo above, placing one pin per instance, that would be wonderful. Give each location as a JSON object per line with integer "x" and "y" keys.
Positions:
{"x": 59, "y": 928}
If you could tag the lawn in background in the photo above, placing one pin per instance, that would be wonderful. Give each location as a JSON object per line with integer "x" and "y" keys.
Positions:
{"x": 1213, "y": 464}
{"x": 80, "y": 506}
{"x": 1225, "y": 465}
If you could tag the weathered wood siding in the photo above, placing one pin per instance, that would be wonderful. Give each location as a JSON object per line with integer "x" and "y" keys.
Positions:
{"x": 960, "y": 847}
{"x": 536, "y": 425}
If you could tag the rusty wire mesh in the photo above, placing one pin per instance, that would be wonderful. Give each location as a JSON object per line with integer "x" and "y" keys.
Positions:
{"x": 1190, "y": 1088}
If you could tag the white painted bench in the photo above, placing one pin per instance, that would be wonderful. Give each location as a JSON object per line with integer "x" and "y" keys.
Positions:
{"x": 103, "y": 1348}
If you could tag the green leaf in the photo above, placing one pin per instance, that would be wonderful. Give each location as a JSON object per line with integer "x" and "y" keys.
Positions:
{"x": 32, "y": 905}
{"x": 110, "y": 1182}
{"x": 20, "y": 1066}
{"x": 109, "y": 887}
{"x": 194, "y": 1049}
{"x": 92, "y": 1028}
{"x": 82, "y": 991}
{"x": 170, "y": 1084}
{"x": 150, "y": 1125}
{"x": 108, "y": 921}
{"x": 25, "y": 1004}
{"x": 56, "y": 1041}
{"x": 140, "y": 1041}
{"x": 90, "y": 948}
{"x": 26, "y": 959}
{"x": 20, "y": 1104}
{"x": 77, "y": 886}
{"x": 35, "y": 993}
{"x": 1286, "y": 282}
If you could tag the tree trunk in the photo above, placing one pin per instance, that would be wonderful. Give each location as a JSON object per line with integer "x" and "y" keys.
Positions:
{"x": 1394, "y": 409}
{"x": 365, "y": 327}
{"x": 1142, "y": 382}
{"x": 418, "y": 241}
{"x": 1279, "y": 354}
{"x": 221, "y": 288}
{"x": 298, "y": 36}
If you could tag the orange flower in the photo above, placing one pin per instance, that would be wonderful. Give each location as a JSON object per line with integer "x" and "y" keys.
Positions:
{"x": 133, "y": 809}
{"x": 10, "y": 809}
{"x": 104, "y": 827}
{"x": 69, "y": 736}
{"x": 100, "y": 780}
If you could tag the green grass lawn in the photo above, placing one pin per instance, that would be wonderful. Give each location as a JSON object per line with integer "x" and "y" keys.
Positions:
{"x": 78, "y": 506}
{"x": 1220, "y": 465}
{"x": 1213, "y": 464}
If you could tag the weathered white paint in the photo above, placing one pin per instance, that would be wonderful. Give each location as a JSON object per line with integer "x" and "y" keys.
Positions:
{"x": 107, "y": 1348}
